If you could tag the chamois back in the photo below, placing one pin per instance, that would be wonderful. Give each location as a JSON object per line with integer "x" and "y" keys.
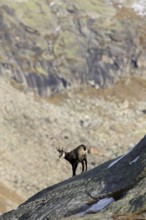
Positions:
{"x": 81, "y": 152}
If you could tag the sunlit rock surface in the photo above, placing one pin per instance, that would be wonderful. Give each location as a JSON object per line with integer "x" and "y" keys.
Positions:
{"x": 111, "y": 188}
{"x": 49, "y": 46}
{"x": 75, "y": 47}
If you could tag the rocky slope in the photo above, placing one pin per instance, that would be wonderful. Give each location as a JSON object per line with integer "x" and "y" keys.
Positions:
{"x": 74, "y": 48}
{"x": 52, "y": 45}
{"x": 110, "y": 120}
{"x": 116, "y": 186}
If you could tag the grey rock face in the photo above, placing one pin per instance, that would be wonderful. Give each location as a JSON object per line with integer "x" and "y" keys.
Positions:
{"x": 50, "y": 46}
{"x": 122, "y": 179}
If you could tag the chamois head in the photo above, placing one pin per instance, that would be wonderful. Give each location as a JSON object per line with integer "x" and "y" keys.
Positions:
{"x": 61, "y": 151}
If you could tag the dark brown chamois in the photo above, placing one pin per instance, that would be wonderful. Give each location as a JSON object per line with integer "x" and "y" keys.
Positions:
{"x": 78, "y": 155}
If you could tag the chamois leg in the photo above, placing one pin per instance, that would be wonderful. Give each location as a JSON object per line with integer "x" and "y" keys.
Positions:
{"x": 85, "y": 160}
{"x": 82, "y": 166}
{"x": 74, "y": 167}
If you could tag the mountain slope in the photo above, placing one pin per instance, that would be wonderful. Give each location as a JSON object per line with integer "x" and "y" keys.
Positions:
{"x": 59, "y": 61}
{"x": 109, "y": 120}
{"x": 49, "y": 46}
{"x": 123, "y": 180}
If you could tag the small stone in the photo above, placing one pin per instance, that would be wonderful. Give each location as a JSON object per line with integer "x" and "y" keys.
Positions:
{"x": 94, "y": 151}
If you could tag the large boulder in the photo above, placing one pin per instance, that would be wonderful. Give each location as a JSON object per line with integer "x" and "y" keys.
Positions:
{"x": 117, "y": 187}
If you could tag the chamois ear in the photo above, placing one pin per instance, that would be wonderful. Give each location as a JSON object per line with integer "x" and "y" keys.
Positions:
{"x": 59, "y": 149}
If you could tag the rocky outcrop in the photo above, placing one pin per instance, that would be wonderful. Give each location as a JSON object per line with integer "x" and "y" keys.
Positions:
{"x": 117, "y": 186}
{"x": 49, "y": 46}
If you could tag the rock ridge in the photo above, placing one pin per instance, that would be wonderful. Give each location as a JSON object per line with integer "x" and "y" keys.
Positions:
{"x": 122, "y": 179}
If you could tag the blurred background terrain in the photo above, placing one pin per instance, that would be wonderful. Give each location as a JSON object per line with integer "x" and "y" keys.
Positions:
{"x": 71, "y": 73}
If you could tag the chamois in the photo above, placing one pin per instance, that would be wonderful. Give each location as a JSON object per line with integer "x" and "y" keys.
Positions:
{"x": 78, "y": 155}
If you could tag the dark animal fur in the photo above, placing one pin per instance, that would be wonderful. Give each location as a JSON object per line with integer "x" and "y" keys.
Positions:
{"x": 76, "y": 156}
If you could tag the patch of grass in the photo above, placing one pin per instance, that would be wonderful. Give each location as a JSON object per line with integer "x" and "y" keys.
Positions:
{"x": 58, "y": 99}
{"x": 66, "y": 42}
{"x": 127, "y": 14}
{"x": 16, "y": 85}
{"x": 33, "y": 12}
{"x": 97, "y": 6}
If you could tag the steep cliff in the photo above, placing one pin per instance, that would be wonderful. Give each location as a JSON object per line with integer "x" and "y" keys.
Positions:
{"x": 48, "y": 46}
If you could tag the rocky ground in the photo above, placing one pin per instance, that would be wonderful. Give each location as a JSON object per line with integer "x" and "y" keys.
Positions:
{"x": 112, "y": 120}
{"x": 73, "y": 51}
